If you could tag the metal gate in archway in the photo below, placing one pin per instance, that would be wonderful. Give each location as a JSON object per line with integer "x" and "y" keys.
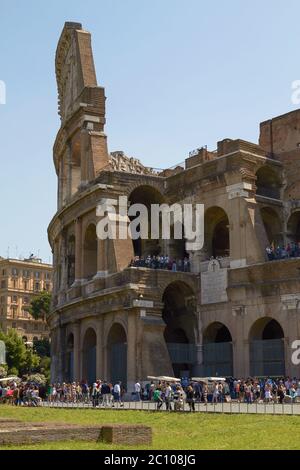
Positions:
{"x": 217, "y": 359}
{"x": 267, "y": 357}
{"x": 70, "y": 366}
{"x": 91, "y": 365}
{"x": 118, "y": 363}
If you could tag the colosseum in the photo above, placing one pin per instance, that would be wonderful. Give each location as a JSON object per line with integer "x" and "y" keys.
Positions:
{"x": 232, "y": 309}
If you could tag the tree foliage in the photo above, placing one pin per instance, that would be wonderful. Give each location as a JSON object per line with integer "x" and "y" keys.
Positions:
{"x": 40, "y": 305}
{"x": 19, "y": 358}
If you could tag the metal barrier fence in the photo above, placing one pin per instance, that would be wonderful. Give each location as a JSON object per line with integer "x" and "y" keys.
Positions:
{"x": 224, "y": 407}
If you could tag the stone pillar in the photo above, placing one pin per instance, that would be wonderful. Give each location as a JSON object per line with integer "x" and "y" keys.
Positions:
{"x": 76, "y": 371}
{"x": 131, "y": 352}
{"x": 198, "y": 367}
{"x": 78, "y": 250}
{"x": 60, "y": 354}
{"x": 102, "y": 269}
{"x": 69, "y": 171}
{"x": 100, "y": 349}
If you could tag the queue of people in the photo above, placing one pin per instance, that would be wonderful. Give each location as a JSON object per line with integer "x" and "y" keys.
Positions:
{"x": 22, "y": 394}
{"x": 291, "y": 250}
{"x": 161, "y": 262}
{"x": 169, "y": 396}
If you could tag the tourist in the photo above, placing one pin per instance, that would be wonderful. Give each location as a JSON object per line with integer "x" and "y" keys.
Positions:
{"x": 168, "y": 396}
{"x": 137, "y": 391}
{"x": 190, "y": 398}
{"x": 117, "y": 394}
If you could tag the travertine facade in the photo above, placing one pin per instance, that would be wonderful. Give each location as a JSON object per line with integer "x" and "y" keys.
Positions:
{"x": 20, "y": 281}
{"x": 237, "y": 315}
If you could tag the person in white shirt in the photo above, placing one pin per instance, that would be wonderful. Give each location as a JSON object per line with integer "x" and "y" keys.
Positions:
{"x": 117, "y": 393}
{"x": 137, "y": 391}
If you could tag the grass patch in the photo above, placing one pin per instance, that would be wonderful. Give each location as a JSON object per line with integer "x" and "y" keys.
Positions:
{"x": 172, "y": 430}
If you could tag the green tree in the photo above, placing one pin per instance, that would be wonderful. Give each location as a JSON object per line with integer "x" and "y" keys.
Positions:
{"x": 19, "y": 358}
{"x": 15, "y": 349}
{"x": 40, "y": 305}
{"x": 42, "y": 347}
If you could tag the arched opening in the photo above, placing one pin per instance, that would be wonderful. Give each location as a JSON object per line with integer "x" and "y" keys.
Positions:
{"x": 268, "y": 183}
{"x": 217, "y": 351}
{"x": 117, "y": 354}
{"x": 70, "y": 358}
{"x": 293, "y": 227}
{"x": 146, "y": 195}
{"x": 272, "y": 225}
{"x": 176, "y": 247}
{"x": 179, "y": 334}
{"x": 89, "y": 356}
{"x": 71, "y": 260}
{"x": 216, "y": 225}
{"x": 90, "y": 252}
{"x": 266, "y": 341}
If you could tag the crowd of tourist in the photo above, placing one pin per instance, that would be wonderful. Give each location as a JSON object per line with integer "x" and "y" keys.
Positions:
{"x": 161, "y": 262}
{"x": 291, "y": 250}
{"x": 23, "y": 393}
{"x": 166, "y": 395}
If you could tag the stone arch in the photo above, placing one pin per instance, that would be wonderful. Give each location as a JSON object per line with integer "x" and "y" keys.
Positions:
{"x": 217, "y": 237}
{"x": 217, "y": 350}
{"x": 268, "y": 182}
{"x": 266, "y": 342}
{"x": 146, "y": 194}
{"x": 89, "y": 347}
{"x": 90, "y": 252}
{"x": 116, "y": 344}
{"x": 180, "y": 331}
{"x": 70, "y": 357}
{"x": 71, "y": 260}
{"x": 293, "y": 227}
{"x": 272, "y": 225}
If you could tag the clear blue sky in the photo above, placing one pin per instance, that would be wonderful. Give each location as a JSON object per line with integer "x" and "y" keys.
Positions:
{"x": 178, "y": 75}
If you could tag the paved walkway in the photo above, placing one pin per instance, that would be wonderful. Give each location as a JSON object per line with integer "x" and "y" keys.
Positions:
{"x": 233, "y": 407}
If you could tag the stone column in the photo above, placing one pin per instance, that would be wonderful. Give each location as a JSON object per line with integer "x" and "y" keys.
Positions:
{"x": 102, "y": 270}
{"x": 60, "y": 353}
{"x": 78, "y": 250}
{"x": 131, "y": 352}
{"x": 69, "y": 171}
{"x": 100, "y": 349}
{"x": 76, "y": 371}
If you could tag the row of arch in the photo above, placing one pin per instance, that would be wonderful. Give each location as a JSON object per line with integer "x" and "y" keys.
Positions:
{"x": 116, "y": 355}
{"x": 216, "y": 224}
{"x": 181, "y": 335}
{"x": 217, "y": 239}
{"x": 266, "y": 340}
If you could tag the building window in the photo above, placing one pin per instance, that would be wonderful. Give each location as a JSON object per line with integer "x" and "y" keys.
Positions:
{"x": 3, "y": 284}
{"x": 26, "y": 273}
{"x": 14, "y": 299}
{"x": 15, "y": 284}
{"x": 37, "y": 274}
{"x": 48, "y": 276}
{"x": 14, "y": 324}
{"x": 35, "y": 327}
{"x": 36, "y": 286}
{"x": 2, "y": 299}
{"x": 14, "y": 271}
{"x": 3, "y": 272}
{"x": 25, "y": 285}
